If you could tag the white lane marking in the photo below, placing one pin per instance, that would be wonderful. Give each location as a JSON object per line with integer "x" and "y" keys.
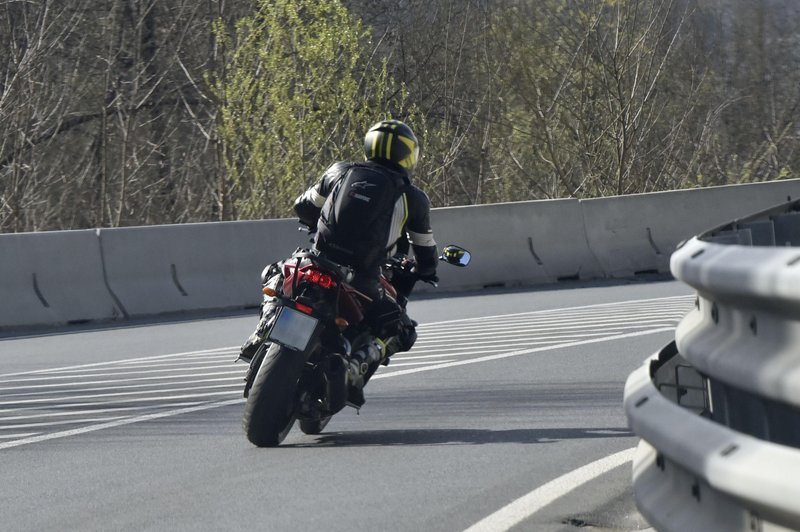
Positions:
{"x": 53, "y": 423}
{"x": 503, "y": 346}
{"x": 527, "y": 505}
{"x": 618, "y": 329}
{"x": 521, "y": 352}
{"x": 110, "y": 362}
{"x": 150, "y": 368}
{"x": 418, "y": 363}
{"x": 91, "y": 375}
{"x": 424, "y": 357}
{"x": 556, "y": 317}
{"x": 476, "y": 349}
{"x": 120, "y": 394}
{"x": 20, "y": 435}
{"x": 564, "y": 309}
{"x": 22, "y": 417}
{"x": 521, "y": 324}
{"x": 118, "y": 423}
{"x": 218, "y": 351}
{"x": 125, "y": 401}
{"x": 183, "y": 361}
{"x": 232, "y": 349}
{"x": 168, "y": 413}
{"x": 111, "y": 381}
{"x": 237, "y": 378}
{"x": 630, "y": 323}
{"x": 199, "y": 356}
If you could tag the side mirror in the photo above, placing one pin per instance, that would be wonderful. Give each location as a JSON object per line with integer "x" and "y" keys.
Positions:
{"x": 455, "y": 255}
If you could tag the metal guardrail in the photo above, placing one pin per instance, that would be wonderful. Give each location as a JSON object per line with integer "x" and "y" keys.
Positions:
{"x": 718, "y": 410}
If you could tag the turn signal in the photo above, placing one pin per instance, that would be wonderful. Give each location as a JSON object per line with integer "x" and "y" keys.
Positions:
{"x": 341, "y": 323}
{"x": 269, "y": 292}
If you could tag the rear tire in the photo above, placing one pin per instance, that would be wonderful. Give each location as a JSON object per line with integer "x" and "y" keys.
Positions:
{"x": 271, "y": 406}
{"x": 314, "y": 426}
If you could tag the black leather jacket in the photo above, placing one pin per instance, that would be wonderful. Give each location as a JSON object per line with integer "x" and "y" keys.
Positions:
{"x": 410, "y": 219}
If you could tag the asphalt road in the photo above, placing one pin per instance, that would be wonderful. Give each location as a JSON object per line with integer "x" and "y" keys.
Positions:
{"x": 506, "y": 414}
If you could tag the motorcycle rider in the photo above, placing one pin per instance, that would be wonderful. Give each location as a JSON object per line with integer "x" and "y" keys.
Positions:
{"x": 363, "y": 213}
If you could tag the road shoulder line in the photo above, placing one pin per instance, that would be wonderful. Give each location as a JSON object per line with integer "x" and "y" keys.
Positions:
{"x": 517, "y": 511}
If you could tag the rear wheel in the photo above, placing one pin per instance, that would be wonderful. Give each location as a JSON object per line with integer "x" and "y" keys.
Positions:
{"x": 314, "y": 426}
{"x": 270, "y": 410}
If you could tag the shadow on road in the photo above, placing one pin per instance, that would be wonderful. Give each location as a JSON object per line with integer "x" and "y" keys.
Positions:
{"x": 458, "y": 436}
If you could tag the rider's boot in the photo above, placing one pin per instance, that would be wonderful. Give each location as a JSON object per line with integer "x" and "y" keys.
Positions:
{"x": 361, "y": 366}
{"x": 403, "y": 341}
{"x": 250, "y": 347}
{"x": 255, "y": 340}
{"x": 355, "y": 385}
{"x": 272, "y": 278}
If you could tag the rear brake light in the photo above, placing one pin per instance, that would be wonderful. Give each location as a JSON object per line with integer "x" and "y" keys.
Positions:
{"x": 303, "y": 308}
{"x": 317, "y": 277}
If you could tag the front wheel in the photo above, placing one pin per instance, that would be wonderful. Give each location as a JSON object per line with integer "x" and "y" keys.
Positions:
{"x": 271, "y": 405}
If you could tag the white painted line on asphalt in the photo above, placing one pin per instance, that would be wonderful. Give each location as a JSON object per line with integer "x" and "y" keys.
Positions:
{"x": 206, "y": 396}
{"x": 555, "y": 310}
{"x": 527, "y": 505}
{"x": 500, "y": 345}
{"x": 216, "y": 351}
{"x": 430, "y": 344}
{"x": 618, "y": 329}
{"x": 111, "y": 381}
{"x": 418, "y": 363}
{"x": 118, "y": 423}
{"x": 557, "y": 320}
{"x": 120, "y": 394}
{"x": 505, "y": 346}
{"x": 182, "y": 361}
{"x": 571, "y": 313}
{"x": 111, "y": 362}
{"x": 222, "y": 354}
{"x": 520, "y": 352}
{"x": 115, "y": 373}
{"x": 150, "y": 368}
{"x": 20, "y": 417}
{"x": 402, "y": 356}
{"x": 168, "y": 413}
{"x": 21, "y": 435}
{"x": 53, "y": 423}
{"x": 234, "y": 378}
{"x": 221, "y": 350}
{"x": 532, "y": 330}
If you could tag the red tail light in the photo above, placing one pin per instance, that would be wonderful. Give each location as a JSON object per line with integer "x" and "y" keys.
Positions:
{"x": 313, "y": 275}
{"x": 305, "y": 309}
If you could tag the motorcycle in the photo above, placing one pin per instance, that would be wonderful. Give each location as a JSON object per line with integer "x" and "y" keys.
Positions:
{"x": 320, "y": 350}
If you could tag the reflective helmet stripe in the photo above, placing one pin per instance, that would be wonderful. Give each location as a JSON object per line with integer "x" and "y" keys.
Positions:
{"x": 389, "y": 139}
{"x": 375, "y": 136}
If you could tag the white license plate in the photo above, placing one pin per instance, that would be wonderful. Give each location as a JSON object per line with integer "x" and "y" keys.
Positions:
{"x": 293, "y": 329}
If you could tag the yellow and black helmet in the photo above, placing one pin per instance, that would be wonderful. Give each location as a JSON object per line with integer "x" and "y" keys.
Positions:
{"x": 391, "y": 141}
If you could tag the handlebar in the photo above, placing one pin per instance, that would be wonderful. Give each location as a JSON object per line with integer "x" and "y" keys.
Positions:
{"x": 405, "y": 265}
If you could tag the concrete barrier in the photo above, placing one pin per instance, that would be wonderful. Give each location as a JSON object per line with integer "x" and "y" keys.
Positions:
{"x": 638, "y": 233}
{"x": 515, "y": 243}
{"x": 52, "y": 278}
{"x": 175, "y": 268}
{"x": 161, "y": 269}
